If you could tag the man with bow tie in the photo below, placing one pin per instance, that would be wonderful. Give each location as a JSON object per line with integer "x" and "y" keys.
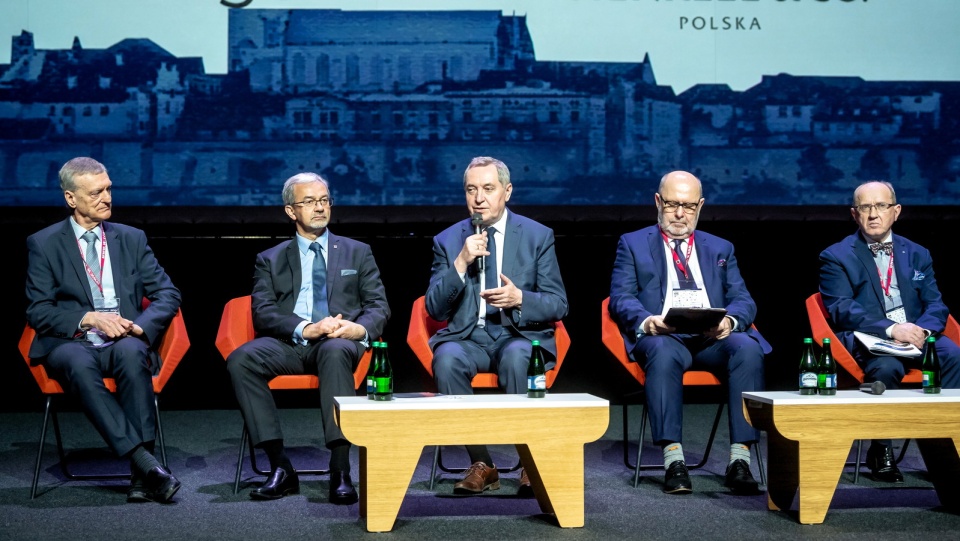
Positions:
{"x": 672, "y": 265}
{"x": 882, "y": 284}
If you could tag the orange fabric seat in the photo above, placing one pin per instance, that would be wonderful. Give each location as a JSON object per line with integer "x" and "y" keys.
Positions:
{"x": 173, "y": 346}
{"x": 236, "y": 329}
{"x": 613, "y": 341}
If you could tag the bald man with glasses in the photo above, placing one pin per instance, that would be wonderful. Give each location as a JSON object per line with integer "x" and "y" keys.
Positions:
{"x": 673, "y": 265}
{"x": 882, "y": 284}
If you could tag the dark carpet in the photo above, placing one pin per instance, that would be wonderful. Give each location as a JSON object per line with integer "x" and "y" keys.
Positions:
{"x": 202, "y": 451}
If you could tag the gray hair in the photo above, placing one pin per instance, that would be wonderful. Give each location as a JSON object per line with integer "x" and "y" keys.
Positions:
{"x": 300, "y": 178}
{"x": 78, "y": 167}
{"x": 884, "y": 182}
{"x": 503, "y": 173}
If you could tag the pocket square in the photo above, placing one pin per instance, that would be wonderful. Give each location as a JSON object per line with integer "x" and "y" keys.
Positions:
{"x": 917, "y": 275}
{"x": 347, "y": 272}
{"x": 721, "y": 262}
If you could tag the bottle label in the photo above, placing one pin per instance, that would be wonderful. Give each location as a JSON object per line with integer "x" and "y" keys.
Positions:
{"x": 371, "y": 385}
{"x": 383, "y": 385}
{"x": 808, "y": 380}
{"x": 829, "y": 381}
{"x": 537, "y": 383}
{"x": 927, "y": 379}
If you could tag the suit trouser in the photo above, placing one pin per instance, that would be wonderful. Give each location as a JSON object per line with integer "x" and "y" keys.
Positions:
{"x": 455, "y": 363}
{"x": 255, "y": 363}
{"x": 125, "y": 419}
{"x": 736, "y": 360}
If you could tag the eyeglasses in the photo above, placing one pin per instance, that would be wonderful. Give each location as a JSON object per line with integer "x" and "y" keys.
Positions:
{"x": 881, "y": 207}
{"x": 672, "y": 206}
{"x": 311, "y": 202}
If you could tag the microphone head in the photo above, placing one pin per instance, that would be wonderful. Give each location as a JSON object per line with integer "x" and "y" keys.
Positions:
{"x": 476, "y": 220}
{"x": 878, "y": 387}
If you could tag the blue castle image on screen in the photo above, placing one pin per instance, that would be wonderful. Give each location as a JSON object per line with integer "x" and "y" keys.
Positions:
{"x": 391, "y": 105}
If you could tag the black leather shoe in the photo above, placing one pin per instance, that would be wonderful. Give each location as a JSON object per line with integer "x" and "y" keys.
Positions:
{"x": 160, "y": 484}
{"x": 280, "y": 483}
{"x": 677, "y": 479}
{"x": 739, "y": 479}
{"x": 341, "y": 489}
{"x": 136, "y": 493}
{"x": 882, "y": 464}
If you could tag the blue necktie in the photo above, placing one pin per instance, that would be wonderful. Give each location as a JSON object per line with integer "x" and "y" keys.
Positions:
{"x": 93, "y": 262}
{"x": 491, "y": 279}
{"x": 320, "y": 308}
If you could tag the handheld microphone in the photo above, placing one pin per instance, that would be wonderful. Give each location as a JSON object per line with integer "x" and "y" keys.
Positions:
{"x": 877, "y": 387}
{"x": 477, "y": 221}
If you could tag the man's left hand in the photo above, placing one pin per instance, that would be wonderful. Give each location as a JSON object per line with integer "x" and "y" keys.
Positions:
{"x": 722, "y": 330}
{"x": 348, "y": 329}
{"x": 505, "y": 296}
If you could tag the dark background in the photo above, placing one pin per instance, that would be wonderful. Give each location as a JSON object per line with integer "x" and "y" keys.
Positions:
{"x": 209, "y": 254}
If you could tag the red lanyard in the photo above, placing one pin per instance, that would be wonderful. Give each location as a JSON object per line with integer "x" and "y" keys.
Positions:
{"x": 886, "y": 287}
{"x": 676, "y": 257}
{"x": 98, "y": 280}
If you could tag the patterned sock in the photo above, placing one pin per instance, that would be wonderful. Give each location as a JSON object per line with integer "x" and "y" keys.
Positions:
{"x": 739, "y": 451}
{"x": 672, "y": 452}
{"x": 142, "y": 460}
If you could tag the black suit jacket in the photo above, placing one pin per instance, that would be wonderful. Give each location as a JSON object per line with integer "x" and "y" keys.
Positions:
{"x": 354, "y": 288}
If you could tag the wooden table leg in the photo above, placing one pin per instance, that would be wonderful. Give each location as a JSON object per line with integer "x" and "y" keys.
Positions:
{"x": 782, "y": 473}
{"x": 556, "y": 475}
{"x": 821, "y": 463}
{"x": 943, "y": 465}
{"x": 385, "y": 475}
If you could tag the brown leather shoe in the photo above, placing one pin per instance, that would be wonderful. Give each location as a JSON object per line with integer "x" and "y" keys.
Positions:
{"x": 525, "y": 490}
{"x": 479, "y": 477}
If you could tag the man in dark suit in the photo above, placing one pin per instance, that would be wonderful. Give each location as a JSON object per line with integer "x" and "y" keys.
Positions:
{"x": 672, "y": 265}
{"x": 317, "y": 304}
{"x": 86, "y": 280}
{"x": 882, "y": 284}
{"x": 492, "y": 315}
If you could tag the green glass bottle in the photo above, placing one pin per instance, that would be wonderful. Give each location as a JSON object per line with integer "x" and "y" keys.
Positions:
{"x": 827, "y": 371}
{"x": 383, "y": 376}
{"x": 371, "y": 384}
{"x": 808, "y": 369}
{"x": 536, "y": 373}
{"x": 931, "y": 367}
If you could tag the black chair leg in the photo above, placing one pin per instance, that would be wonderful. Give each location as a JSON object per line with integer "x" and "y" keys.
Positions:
{"x": 243, "y": 445}
{"x": 43, "y": 433}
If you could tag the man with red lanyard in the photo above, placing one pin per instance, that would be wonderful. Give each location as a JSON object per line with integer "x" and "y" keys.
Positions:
{"x": 86, "y": 281}
{"x": 882, "y": 284}
{"x": 670, "y": 265}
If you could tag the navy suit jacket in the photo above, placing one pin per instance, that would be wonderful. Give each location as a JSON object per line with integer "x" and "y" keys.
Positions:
{"x": 529, "y": 261}
{"x": 850, "y": 288}
{"x": 354, "y": 288}
{"x": 58, "y": 292}
{"x": 638, "y": 287}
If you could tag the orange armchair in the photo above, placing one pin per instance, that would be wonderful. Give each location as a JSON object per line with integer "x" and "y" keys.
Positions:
{"x": 173, "y": 346}
{"x": 613, "y": 341}
{"x": 422, "y": 327}
{"x": 236, "y": 328}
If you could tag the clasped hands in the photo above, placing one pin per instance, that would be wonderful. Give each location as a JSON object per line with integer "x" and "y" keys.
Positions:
{"x": 908, "y": 333}
{"x": 654, "y": 325}
{"x": 111, "y": 324}
{"x": 334, "y": 327}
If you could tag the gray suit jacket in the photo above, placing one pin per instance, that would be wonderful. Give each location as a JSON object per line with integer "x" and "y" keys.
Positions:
{"x": 529, "y": 260}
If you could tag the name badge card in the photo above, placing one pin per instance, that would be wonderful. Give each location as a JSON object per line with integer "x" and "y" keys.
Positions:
{"x": 687, "y": 298}
{"x": 898, "y": 315}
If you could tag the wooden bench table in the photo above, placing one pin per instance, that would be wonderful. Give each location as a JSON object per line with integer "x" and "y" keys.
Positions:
{"x": 549, "y": 434}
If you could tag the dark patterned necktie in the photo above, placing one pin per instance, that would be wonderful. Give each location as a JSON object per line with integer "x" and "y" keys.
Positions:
{"x": 320, "y": 308}
{"x": 491, "y": 280}
{"x": 877, "y": 247}
{"x": 686, "y": 280}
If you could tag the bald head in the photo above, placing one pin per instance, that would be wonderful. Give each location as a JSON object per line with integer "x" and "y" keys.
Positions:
{"x": 874, "y": 187}
{"x": 681, "y": 180}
